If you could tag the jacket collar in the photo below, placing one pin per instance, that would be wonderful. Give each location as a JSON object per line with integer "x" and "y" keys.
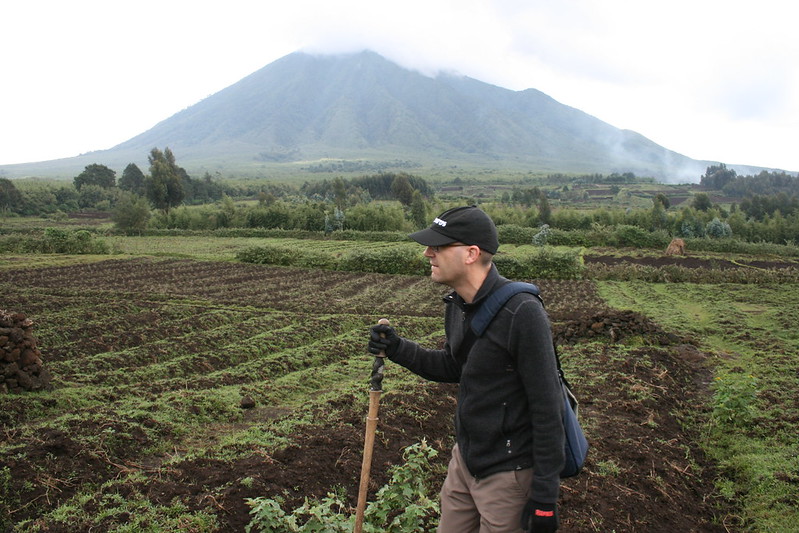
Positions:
{"x": 493, "y": 281}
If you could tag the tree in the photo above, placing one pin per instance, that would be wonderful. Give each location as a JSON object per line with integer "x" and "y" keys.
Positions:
{"x": 340, "y": 193}
{"x": 9, "y": 195}
{"x": 544, "y": 209}
{"x": 659, "y": 218}
{"x": 419, "y": 210}
{"x": 96, "y": 174}
{"x": 402, "y": 189}
{"x": 132, "y": 180}
{"x": 526, "y": 197}
{"x": 95, "y": 197}
{"x": 663, "y": 199}
{"x": 163, "y": 185}
{"x": 689, "y": 223}
{"x": 701, "y": 202}
{"x": 716, "y": 177}
{"x": 717, "y": 229}
{"x": 131, "y": 213}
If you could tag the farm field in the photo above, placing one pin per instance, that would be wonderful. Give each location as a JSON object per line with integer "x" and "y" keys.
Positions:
{"x": 182, "y": 386}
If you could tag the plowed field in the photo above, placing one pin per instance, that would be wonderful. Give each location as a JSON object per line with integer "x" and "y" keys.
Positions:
{"x": 151, "y": 360}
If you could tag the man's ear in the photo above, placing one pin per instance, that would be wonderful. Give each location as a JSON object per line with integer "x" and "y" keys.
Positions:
{"x": 474, "y": 255}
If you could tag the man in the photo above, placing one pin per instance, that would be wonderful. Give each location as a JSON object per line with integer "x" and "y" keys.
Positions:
{"x": 504, "y": 475}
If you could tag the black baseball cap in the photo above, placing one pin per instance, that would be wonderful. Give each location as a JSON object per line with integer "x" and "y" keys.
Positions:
{"x": 468, "y": 224}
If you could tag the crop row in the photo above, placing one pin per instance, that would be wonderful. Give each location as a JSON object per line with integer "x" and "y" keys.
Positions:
{"x": 154, "y": 357}
{"x": 214, "y": 283}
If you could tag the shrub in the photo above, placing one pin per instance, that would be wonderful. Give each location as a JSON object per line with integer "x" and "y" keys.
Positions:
{"x": 545, "y": 262}
{"x": 131, "y": 213}
{"x": 636, "y": 237}
{"x": 513, "y": 234}
{"x": 577, "y": 237}
{"x": 55, "y": 241}
{"x": 378, "y": 217}
{"x": 272, "y": 254}
{"x": 402, "y": 259}
{"x": 542, "y": 237}
{"x": 680, "y": 274}
{"x": 718, "y": 229}
{"x": 737, "y": 246}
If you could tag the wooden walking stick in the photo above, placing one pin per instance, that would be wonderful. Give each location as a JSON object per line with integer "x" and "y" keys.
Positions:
{"x": 375, "y": 388}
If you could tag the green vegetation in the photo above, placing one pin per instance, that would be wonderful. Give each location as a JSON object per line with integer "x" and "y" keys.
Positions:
{"x": 158, "y": 317}
{"x": 97, "y": 176}
{"x": 752, "y": 425}
{"x": 151, "y": 358}
{"x": 406, "y": 504}
{"x": 54, "y": 241}
{"x": 587, "y": 210}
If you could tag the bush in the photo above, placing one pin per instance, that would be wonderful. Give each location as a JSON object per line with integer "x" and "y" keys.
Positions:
{"x": 544, "y": 263}
{"x": 576, "y": 237}
{"x": 61, "y": 241}
{"x": 636, "y": 237}
{"x": 376, "y": 217}
{"x": 732, "y": 245}
{"x": 542, "y": 237}
{"x": 54, "y": 241}
{"x": 718, "y": 229}
{"x": 513, "y": 234}
{"x": 272, "y": 254}
{"x": 402, "y": 259}
{"x": 131, "y": 213}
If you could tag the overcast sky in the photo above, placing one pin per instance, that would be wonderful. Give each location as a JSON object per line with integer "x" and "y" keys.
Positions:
{"x": 710, "y": 79}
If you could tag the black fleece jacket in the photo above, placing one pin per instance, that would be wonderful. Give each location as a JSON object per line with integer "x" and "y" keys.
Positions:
{"x": 509, "y": 413}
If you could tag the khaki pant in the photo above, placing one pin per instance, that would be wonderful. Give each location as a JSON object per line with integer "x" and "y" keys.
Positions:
{"x": 490, "y": 505}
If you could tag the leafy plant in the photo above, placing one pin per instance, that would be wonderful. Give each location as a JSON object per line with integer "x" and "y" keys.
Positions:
{"x": 393, "y": 260}
{"x": 56, "y": 241}
{"x": 545, "y": 262}
{"x": 542, "y": 237}
{"x": 734, "y": 398}
{"x": 5, "y": 496}
{"x": 403, "y": 505}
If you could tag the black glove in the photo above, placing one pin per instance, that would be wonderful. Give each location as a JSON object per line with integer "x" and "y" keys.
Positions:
{"x": 540, "y": 517}
{"x": 386, "y": 343}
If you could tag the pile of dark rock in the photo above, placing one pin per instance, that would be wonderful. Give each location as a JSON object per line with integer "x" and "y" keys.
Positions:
{"x": 21, "y": 366}
{"x": 613, "y": 325}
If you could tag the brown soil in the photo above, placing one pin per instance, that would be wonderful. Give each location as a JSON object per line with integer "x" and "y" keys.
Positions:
{"x": 687, "y": 261}
{"x": 644, "y": 471}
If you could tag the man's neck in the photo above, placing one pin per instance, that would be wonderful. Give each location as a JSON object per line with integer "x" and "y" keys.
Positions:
{"x": 469, "y": 285}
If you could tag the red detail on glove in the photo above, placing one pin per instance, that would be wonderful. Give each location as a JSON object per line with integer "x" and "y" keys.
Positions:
{"x": 539, "y": 512}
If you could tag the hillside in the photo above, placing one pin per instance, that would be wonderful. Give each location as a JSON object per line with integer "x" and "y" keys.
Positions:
{"x": 303, "y": 109}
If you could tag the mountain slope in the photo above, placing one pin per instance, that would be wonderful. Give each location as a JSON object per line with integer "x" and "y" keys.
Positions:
{"x": 303, "y": 108}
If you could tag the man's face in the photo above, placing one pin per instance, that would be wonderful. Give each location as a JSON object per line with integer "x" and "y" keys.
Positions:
{"x": 447, "y": 263}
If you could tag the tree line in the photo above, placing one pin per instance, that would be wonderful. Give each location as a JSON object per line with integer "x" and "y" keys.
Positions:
{"x": 720, "y": 178}
{"x": 646, "y": 227}
{"x": 97, "y": 188}
{"x": 168, "y": 198}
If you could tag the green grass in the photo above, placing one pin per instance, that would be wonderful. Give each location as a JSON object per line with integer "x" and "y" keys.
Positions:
{"x": 752, "y": 436}
{"x": 119, "y": 509}
{"x": 175, "y": 394}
